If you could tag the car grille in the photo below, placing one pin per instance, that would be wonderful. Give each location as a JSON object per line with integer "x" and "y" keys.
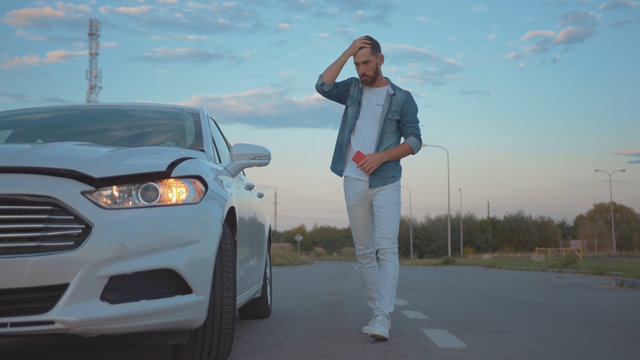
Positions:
{"x": 30, "y": 301}
{"x": 37, "y": 224}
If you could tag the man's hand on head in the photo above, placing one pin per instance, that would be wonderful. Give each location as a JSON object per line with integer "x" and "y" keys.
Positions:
{"x": 357, "y": 44}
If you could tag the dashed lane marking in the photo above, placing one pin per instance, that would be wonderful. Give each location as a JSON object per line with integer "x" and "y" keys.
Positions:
{"x": 413, "y": 314}
{"x": 401, "y": 302}
{"x": 443, "y": 339}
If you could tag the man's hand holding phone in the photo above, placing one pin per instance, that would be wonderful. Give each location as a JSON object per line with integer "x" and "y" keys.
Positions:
{"x": 359, "y": 156}
{"x": 368, "y": 163}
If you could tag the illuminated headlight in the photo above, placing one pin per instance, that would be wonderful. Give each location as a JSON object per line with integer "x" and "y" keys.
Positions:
{"x": 152, "y": 193}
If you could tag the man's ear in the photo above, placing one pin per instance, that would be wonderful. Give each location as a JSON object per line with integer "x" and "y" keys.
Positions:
{"x": 381, "y": 59}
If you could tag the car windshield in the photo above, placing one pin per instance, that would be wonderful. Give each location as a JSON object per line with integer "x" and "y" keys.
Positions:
{"x": 106, "y": 125}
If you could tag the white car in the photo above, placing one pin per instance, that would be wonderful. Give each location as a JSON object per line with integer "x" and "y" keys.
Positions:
{"x": 130, "y": 219}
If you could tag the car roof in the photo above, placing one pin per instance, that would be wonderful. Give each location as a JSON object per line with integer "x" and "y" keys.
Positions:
{"x": 121, "y": 105}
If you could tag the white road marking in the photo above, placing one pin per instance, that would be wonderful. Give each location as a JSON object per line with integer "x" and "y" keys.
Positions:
{"x": 443, "y": 339}
{"x": 413, "y": 314}
{"x": 400, "y": 302}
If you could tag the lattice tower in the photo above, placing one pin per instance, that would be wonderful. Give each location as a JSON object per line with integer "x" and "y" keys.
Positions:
{"x": 94, "y": 75}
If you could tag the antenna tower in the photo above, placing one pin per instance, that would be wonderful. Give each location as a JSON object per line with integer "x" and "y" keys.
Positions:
{"x": 94, "y": 75}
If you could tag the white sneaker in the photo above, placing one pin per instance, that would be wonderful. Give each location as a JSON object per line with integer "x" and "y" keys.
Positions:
{"x": 380, "y": 327}
{"x": 367, "y": 328}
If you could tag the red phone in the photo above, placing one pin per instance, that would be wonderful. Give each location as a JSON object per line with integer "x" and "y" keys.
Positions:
{"x": 359, "y": 156}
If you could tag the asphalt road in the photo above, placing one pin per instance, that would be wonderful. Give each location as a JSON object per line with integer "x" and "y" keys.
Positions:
{"x": 449, "y": 312}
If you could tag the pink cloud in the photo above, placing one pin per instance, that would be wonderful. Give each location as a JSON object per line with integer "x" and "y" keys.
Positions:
{"x": 628, "y": 152}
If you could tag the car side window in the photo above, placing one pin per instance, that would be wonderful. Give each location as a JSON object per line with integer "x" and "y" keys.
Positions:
{"x": 220, "y": 143}
{"x": 216, "y": 155}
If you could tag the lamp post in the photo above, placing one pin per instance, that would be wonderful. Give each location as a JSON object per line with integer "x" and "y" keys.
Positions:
{"x": 461, "y": 248}
{"x": 410, "y": 225}
{"x": 613, "y": 229}
{"x": 448, "y": 199}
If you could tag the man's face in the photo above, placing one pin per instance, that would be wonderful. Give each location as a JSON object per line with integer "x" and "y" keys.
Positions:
{"x": 367, "y": 66}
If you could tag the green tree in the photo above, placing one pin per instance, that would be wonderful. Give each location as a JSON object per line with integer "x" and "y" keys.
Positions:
{"x": 595, "y": 224}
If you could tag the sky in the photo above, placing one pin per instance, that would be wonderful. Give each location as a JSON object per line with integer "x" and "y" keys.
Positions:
{"x": 525, "y": 99}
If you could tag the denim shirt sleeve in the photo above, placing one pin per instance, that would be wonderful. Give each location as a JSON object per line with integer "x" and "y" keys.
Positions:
{"x": 335, "y": 91}
{"x": 410, "y": 125}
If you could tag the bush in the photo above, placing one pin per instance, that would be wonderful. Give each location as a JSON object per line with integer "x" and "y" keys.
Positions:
{"x": 448, "y": 260}
{"x": 290, "y": 259}
{"x": 568, "y": 261}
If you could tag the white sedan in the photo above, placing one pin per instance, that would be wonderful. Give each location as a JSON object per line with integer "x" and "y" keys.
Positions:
{"x": 130, "y": 219}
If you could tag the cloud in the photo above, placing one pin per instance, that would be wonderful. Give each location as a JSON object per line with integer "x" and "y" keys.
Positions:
{"x": 180, "y": 37}
{"x": 46, "y": 16}
{"x": 411, "y": 53}
{"x": 342, "y": 30}
{"x": 618, "y": 4}
{"x": 362, "y": 17}
{"x": 427, "y": 66}
{"x": 580, "y": 18}
{"x": 574, "y": 35}
{"x": 52, "y": 57}
{"x": 270, "y": 109}
{"x": 132, "y": 11}
{"x": 29, "y": 36}
{"x": 513, "y": 55}
{"x": 620, "y": 23}
{"x": 359, "y": 11}
{"x": 537, "y": 34}
{"x": 476, "y": 92}
{"x": 164, "y": 54}
{"x": 631, "y": 153}
{"x": 189, "y": 17}
{"x": 298, "y": 4}
{"x": 546, "y": 39}
{"x": 30, "y": 99}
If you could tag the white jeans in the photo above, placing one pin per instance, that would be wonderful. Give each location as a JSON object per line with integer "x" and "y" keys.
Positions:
{"x": 374, "y": 214}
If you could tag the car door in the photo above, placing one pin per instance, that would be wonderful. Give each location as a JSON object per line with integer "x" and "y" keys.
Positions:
{"x": 251, "y": 235}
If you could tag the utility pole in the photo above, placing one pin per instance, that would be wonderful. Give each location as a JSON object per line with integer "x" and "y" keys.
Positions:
{"x": 275, "y": 209}
{"x": 93, "y": 74}
{"x": 488, "y": 209}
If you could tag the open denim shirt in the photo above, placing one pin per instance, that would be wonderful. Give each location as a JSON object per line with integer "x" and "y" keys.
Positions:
{"x": 400, "y": 115}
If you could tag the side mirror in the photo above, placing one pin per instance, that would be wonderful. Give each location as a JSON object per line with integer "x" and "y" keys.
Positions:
{"x": 247, "y": 155}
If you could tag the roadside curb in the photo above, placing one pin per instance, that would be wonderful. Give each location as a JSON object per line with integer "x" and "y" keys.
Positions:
{"x": 622, "y": 282}
{"x": 627, "y": 283}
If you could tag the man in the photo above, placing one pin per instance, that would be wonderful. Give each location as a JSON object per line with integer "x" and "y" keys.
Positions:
{"x": 377, "y": 114}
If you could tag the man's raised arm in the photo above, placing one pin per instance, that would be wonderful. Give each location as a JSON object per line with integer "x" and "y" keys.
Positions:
{"x": 330, "y": 75}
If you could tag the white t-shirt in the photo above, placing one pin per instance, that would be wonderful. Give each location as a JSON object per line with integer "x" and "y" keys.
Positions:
{"x": 365, "y": 133}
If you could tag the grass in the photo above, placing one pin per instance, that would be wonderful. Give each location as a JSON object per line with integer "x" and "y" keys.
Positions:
{"x": 283, "y": 254}
{"x": 627, "y": 266}
{"x": 290, "y": 259}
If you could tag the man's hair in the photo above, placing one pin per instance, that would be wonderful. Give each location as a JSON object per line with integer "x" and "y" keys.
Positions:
{"x": 375, "y": 46}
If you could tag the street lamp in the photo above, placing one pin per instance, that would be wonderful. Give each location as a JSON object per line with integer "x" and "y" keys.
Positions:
{"x": 448, "y": 199}
{"x": 613, "y": 229}
{"x": 410, "y": 225}
{"x": 461, "y": 253}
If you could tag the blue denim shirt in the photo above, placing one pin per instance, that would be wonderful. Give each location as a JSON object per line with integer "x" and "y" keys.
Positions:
{"x": 400, "y": 114}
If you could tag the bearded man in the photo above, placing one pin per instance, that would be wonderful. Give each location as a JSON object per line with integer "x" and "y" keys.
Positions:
{"x": 367, "y": 156}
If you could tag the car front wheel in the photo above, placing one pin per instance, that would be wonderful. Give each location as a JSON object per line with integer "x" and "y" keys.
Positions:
{"x": 260, "y": 307}
{"x": 214, "y": 338}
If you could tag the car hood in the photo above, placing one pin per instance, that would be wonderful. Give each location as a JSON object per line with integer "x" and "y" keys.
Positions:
{"x": 97, "y": 161}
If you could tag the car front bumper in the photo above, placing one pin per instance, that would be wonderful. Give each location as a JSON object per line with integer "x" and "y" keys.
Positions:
{"x": 181, "y": 240}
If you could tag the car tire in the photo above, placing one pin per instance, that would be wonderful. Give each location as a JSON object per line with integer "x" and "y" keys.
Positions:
{"x": 214, "y": 338}
{"x": 260, "y": 307}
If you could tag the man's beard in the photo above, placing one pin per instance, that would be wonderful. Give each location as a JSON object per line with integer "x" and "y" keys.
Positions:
{"x": 367, "y": 80}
